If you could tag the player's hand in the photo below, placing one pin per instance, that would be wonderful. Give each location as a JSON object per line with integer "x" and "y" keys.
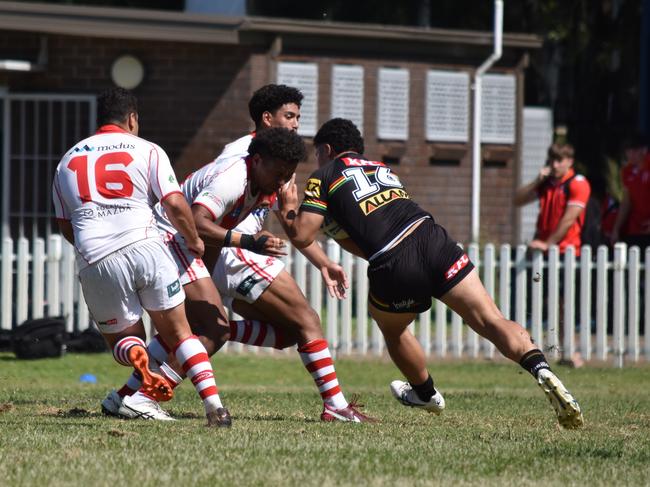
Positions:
{"x": 289, "y": 195}
{"x": 538, "y": 245}
{"x": 544, "y": 173}
{"x": 273, "y": 245}
{"x": 335, "y": 279}
{"x": 196, "y": 247}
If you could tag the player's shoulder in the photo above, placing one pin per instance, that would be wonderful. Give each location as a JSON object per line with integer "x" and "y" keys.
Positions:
{"x": 579, "y": 180}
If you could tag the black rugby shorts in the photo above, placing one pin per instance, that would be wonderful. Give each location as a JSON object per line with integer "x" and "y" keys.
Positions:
{"x": 426, "y": 264}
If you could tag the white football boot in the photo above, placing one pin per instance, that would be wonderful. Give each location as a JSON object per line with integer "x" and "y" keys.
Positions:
{"x": 404, "y": 393}
{"x": 139, "y": 406}
{"x": 566, "y": 407}
{"x": 111, "y": 404}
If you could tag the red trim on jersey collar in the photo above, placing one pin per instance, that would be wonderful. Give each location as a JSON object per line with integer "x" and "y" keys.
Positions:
{"x": 110, "y": 128}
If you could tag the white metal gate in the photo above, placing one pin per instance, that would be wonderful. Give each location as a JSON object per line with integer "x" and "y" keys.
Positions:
{"x": 36, "y": 131}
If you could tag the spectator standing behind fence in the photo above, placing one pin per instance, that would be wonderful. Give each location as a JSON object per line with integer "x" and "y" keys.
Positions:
{"x": 633, "y": 221}
{"x": 563, "y": 197}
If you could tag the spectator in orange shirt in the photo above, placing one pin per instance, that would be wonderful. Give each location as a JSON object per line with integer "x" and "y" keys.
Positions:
{"x": 563, "y": 197}
{"x": 633, "y": 221}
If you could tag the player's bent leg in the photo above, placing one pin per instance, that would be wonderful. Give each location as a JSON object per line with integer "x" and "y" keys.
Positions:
{"x": 256, "y": 329}
{"x": 206, "y": 314}
{"x": 285, "y": 302}
{"x": 129, "y": 349}
{"x": 175, "y": 331}
{"x": 408, "y": 356}
{"x": 472, "y": 302}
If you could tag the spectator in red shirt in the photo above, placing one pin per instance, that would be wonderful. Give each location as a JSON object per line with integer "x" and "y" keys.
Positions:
{"x": 633, "y": 221}
{"x": 563, "y": 197}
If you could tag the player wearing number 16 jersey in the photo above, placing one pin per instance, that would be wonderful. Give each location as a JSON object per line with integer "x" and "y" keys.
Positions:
{"x": 104, "y": 190}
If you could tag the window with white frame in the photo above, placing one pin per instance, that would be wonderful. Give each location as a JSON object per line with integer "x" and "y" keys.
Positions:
{"x": 303, "y": 76}
{"x": 498, "y": 109}
{"x": 393, "y": 104}
{"x": 447, "y": 106}
{"x": 347, "y": 93}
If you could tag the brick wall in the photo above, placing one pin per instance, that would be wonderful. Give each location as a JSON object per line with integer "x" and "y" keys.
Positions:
{"x": 194, "y": 98}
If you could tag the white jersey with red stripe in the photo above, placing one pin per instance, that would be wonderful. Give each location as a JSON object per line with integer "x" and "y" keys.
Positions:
{"x": 254, "y": 222}
{"x": 106, "y": 186}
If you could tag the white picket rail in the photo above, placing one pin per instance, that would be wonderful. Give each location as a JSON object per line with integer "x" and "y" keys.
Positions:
{"x": 606, "y": 318}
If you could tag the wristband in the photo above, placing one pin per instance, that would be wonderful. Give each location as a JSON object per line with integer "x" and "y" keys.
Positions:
{"x": 291, "y": 215}
{"x": 248, "y": 242}
{"x": 227, "y": 239}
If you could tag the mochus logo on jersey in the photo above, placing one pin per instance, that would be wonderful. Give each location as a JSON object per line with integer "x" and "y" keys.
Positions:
{"x": 380, "y": 199}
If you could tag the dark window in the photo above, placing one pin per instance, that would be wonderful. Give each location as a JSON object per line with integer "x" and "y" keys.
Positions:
{"x": 435, "y": 161}
{"x": 393, "y": 161}
{"x": 494, "y": 163}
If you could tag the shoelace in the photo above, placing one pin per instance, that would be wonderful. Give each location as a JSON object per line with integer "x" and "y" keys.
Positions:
{"x": 355, "y": 405}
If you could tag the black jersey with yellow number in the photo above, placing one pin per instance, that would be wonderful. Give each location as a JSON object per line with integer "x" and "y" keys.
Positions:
{"x": 365, "y": 199}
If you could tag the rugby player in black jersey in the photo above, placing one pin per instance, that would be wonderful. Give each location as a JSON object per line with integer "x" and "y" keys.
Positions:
{"x": 411, "y": 259}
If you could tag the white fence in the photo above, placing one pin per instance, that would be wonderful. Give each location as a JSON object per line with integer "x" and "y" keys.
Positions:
{"x": 602, "y": 303}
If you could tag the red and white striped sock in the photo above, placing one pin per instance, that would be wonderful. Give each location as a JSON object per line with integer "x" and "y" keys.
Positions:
{"x": 317, "y": 359}
{"x": 122, "y": 347}
{"x": 158, "y": 353}
{"x": 257, "y": 333}
{"x": 158, "y": 349}
{"x": 194, "y": 360}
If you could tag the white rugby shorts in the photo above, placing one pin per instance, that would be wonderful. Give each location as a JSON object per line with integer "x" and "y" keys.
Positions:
{"x": 118, "y": 287}
{"x": 245, "y": 275}
{"x": 190, "y": 268}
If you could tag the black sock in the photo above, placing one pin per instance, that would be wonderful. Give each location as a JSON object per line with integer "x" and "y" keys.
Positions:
{"x": 425, "y": 391}
{"x": 534, "y": 361}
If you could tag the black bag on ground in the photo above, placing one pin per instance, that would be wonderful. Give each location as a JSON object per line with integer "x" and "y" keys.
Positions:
{"x": 88, "y": 341}
{"x": 41, "y": 338}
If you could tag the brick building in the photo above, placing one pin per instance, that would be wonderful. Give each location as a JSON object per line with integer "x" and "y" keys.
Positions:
{"x": 200, "y": 70}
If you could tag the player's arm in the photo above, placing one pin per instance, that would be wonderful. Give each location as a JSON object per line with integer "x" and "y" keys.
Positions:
{"x": 301, "y": 226}
{"x": 528, "y": 193}
{"x": 180, "y": 215}
{"x": 569, "y": 217}
{"x": 264, "y": 242}
{"x": 65, "y": 227}
{"x": 333, "y": 274}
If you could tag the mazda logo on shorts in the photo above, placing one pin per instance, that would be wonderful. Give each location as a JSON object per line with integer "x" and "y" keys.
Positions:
{"x": 88, "y": 213}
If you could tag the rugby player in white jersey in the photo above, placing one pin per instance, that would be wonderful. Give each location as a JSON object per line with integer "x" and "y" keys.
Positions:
{"x": 257, "y": 287}
{"x": 260, "y": 289}
{"x": 221, "y": 195}
{"x": 104, "y": 191}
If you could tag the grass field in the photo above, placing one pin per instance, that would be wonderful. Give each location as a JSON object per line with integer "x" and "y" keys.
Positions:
{"x": 498, "y": 428}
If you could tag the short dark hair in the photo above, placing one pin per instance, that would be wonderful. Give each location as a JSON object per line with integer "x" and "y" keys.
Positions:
{"x": 557, "y": 152}
{"x": 341, "y": 134}
{"x": 114, "y": 106}
{"x": 270, "y": 98}
{"x": 279, "y": 143}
